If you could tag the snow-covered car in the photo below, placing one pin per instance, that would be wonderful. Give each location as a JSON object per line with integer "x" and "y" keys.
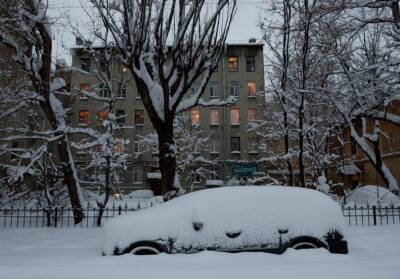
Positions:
{"x": 231, "y": 219}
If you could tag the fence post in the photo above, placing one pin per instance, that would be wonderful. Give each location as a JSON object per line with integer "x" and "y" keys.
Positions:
{"x": 374, "y": 213}
{"x": 55, "y": 216}
{"x": 119, "y": 210}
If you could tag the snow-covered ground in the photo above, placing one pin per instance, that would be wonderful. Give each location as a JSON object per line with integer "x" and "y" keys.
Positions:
{"x": 75, "y": 253}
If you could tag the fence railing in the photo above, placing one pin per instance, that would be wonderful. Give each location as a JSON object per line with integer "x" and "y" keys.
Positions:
{"x": 371, "y": 215}
{"x": 62, "y": 217}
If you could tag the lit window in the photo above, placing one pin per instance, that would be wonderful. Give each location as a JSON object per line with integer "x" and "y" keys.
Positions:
{"x": 214, "y": 117}
{"x": 195, "y": 116}
{"x": 84, "y": 117}
{"x": 250, "y": 63}
{"x": 235, "y": 144}
{"x": 234, "y": 88}
{"x": 251, "y": 115}
{"x": 213, "y": 90}
{"x": 214, "y": 146}
{"x": 102, "y": 115}
{"x": 119, "y": 147}
{"x": 235, "y": 116}
{"x": 251, "y": 89}
{"x": 85, "y": 87}
{"x": 233, "y": 63}
{"x": 85, "y": 64}
{"x": 120, "y": 117}
{"x": 139, "y": 117}
{"x": 137, "y": 175}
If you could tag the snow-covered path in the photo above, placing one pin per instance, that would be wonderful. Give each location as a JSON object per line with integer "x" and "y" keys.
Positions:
{"x": 75, "y": 253}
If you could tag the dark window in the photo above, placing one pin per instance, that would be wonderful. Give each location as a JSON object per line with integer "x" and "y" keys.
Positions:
{"x": 233, "y": 63}
{"x": 103, "y": 65}
{"x": 85, "y": 64}
{"x": 139, "y": 117}
{"x": 235, "y": 144}
{"x": 250, "y": 63}
{"x": 353, "y": 146}
{"x": 120, "y": 115}
{"x": 121, "y": 93}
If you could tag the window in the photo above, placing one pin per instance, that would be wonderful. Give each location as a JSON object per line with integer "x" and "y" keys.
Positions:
{"x": 120, "y": 117}
{"x": 121, "y": 93}
{"x": 250, "y": 63}
{"x": 233, "y": 63}
{"x": 137, "y": 175}
{"x": 139, "y": 117}
{"x": 213, "y": 90}
{"x": 85, "y": 87}
{"x": 251, "y": 89}
{"x": 234, "y": 88}
{"x": 136, "y": 145}
{"x": 251, "y": 115}
{"x": 103, "y": 65}
{"x": 119, "y": 146}
{"x": 102, "y": 115}
{"x": 84, "y": 117}
{"x": 235, "y": 116}
{"x": 104, "y": 92}
{"x": 253, "y": 145}
{"x": 235, "y": 144}
{"x": 193, "y": 90}
{"x": 214, "y": 117}
{"x": 214, "y": 146}
{"x": 85, "y": 64}
{"x": 195, "y": 116}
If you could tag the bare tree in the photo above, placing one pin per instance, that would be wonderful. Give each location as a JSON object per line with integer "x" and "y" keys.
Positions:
{"x": 25, "y": 29}
{"x": 168, "y": 46}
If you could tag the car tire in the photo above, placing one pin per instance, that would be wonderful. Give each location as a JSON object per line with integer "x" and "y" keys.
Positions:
{"x": 144, "y": 248}
{"x": 306, "y": 242}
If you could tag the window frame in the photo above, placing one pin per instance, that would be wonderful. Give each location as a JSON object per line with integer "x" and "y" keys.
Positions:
{"x": 250, "y": 67}
{"x": 248, "y": 115}
{"x": 86, "y": 66}
{"x": 214, "y": 143}
{"x": 84, "y": 86}
{"x": 139, "y": 113}
{"x": 211, "y": 117}
{"x": 234, "y": 89}
{"x": 230, "y": 116}
{"x": 119, "y": 113}
{"x": 140, "y": 176}
{"x": 192, "y": 115}
{"x": 233, "y": 66}
{"x": 250, "y": 93}
{"x": 213, "y": 88}
{"x": 80, "y": 122}
{"x": 235, "y": 144}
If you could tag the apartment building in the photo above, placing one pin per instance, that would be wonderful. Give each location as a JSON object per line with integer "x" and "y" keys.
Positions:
{"x": 240, "y": 73}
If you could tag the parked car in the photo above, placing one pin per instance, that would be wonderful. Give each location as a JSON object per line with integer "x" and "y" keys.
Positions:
{"x": 231, "y": 219}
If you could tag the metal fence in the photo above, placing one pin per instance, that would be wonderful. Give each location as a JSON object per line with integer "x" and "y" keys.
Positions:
{"x": 371, "y": 215}
{"x": 61, "y": 217}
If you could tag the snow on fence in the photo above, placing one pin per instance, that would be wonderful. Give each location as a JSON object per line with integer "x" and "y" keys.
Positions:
{"x": 61, "y": 217}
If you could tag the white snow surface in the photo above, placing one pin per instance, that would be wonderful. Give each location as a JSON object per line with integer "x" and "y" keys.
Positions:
{"x": 49, "y": 253}
{"x": 372, "y": 195}
{"x": 256, "y": 211}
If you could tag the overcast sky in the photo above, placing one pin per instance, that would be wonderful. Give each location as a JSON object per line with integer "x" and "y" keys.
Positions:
{"x": 244, "y": 25}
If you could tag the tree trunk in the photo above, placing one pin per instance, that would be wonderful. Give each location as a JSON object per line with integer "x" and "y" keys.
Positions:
{"x": 167, "y": 157}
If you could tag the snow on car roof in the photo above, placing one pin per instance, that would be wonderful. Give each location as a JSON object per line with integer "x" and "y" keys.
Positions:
{"x": 257, "y": 211}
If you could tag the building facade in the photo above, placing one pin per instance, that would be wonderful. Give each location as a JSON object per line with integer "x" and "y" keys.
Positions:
{"x": 235, "y": 150}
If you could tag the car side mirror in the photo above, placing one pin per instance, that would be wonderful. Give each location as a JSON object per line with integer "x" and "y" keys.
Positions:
{"x": 197, "y": 226}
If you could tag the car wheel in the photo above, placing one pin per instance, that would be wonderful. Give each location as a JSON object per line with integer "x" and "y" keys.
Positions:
{"x": 306, "y": 242}
{"x": 144, "y": 248}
